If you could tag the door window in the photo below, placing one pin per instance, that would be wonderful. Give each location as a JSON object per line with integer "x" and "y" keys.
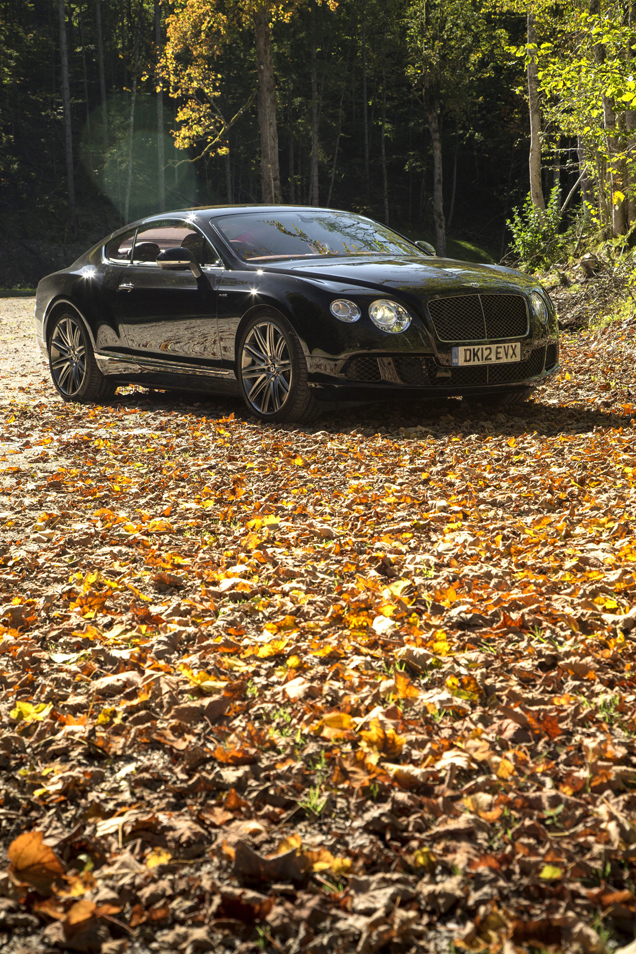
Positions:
{"x": 119, "y": 248}
{"x": 157, "y": 238}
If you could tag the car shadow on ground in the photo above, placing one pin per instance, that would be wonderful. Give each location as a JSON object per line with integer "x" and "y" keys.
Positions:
{"x": 398, "y": 417}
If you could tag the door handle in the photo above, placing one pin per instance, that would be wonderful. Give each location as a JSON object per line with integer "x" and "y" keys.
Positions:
{"x": 127, "y": 286}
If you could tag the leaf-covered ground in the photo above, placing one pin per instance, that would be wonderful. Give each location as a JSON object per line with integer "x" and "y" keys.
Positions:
{"x": 365, "y": 686}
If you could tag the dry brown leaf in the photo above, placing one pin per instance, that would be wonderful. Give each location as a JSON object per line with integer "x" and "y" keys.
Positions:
{"x": 34, "y": 863}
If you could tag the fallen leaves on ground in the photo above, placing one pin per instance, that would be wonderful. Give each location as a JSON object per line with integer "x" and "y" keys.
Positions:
{"x": 364, "y": 686}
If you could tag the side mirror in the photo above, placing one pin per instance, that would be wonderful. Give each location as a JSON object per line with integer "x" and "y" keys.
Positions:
{"x": 426, "y": 247}
{"x": 179, "y": 258}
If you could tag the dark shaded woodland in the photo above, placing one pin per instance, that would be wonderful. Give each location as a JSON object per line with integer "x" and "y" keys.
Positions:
{"x": 86, "y": 137}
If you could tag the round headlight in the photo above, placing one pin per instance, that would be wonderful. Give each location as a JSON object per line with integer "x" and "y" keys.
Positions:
{"x": 389, "y": 316}
{"x": 345, "y": 310}
{"x": 540, "y": 307}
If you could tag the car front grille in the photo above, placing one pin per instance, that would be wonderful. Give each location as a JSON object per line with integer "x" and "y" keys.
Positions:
{"x": 479, "y": 317}
{"x": 364, "y": 369}
{"x": 552, "y": 355}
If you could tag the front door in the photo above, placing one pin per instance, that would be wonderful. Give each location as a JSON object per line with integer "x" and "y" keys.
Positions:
{"x": 169, "y": 317}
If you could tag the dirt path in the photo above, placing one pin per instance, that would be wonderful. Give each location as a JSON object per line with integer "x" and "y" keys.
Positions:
{"x": 23, "y": 372}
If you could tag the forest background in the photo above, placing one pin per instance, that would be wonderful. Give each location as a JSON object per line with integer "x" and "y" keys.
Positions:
{"x": 415, "y": 112}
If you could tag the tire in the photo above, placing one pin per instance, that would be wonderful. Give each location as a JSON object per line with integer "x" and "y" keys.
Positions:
{"x": 503, "y": 399}
{"x": 72, "y": 364}
{"x": 272, "y": 371}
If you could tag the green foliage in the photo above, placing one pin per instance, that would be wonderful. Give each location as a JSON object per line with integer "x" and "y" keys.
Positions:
{"x": 587, "y": 86}
{"x": 314, "y": 801}
{"x": 535, "y": 232}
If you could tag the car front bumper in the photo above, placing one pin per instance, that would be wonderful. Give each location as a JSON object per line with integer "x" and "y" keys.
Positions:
{"x": 425, "y": 374}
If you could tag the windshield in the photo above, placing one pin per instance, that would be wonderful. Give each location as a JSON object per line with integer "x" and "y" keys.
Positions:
{"x": 258, "y": 236}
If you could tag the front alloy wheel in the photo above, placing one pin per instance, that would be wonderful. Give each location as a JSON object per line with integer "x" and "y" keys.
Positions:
{"x": 72, "y": 362}
{"x": 68, "y": 357}
{"x": 266, "y": 368}
{"x": 272, "y": 370}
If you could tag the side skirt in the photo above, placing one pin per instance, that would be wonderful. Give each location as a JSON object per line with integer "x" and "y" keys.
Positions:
{"x": 168, "y": 374}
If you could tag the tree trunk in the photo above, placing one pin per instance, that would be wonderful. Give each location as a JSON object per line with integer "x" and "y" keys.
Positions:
{"x": 586, "y": 182}
{"x": 630, "y": 179}
{"x": 68, "y": 126}
{"x": 601, "y": 175}
{"x": 616, "y": 169}
{"x": 556, "y": 168}
{"x": 267, "y": 108}
{"x": 365, "y": 98}
{"x": 534, "y": 159}
{"x": 313, "y": 173}
{"x": 228, "y": 177}
{"x": 85, "y": 74}
{"x": 131, "y": 122}
{"x": 385, "y": 180}
{"x": 102, "y": 72}
{"x": 432, "y": 118}
{"x": 292, "y": 177}
{"x": 614, "y": 172}
{"x": 504, "y": 231}
{"x": 335, "y": 152}
{"x": 161, "y": 159}
{"x": 630, "y": 126}
{"x": 451, "y": 211}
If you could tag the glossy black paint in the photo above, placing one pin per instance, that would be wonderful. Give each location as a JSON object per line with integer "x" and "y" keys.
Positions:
{"x": 164, "y": 327}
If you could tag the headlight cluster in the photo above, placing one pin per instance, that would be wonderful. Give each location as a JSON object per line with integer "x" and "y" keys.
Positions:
{"x": 540, "y": 307}
{"x": 386, "y": 315}
{"x": 389, "y": 316}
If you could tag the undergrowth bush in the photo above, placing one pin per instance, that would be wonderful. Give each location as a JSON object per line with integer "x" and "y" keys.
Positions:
{"x": 536, "y": 240}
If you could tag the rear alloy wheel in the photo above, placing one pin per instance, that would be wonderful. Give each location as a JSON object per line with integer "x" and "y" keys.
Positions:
{"x": 272, "y": 371}
{"x": 72, "y": 362}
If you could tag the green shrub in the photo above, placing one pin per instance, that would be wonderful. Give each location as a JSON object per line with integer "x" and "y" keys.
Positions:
{"x": 535, "y": 232}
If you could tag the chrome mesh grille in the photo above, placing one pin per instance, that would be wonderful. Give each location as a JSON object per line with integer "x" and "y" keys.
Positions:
{"x": 479, "y": 317}
{"x": 363, "y": 369}
{"x": 458, "y": 319}
{"x": 518, "y": 370}
{"x": 506, "y": 316}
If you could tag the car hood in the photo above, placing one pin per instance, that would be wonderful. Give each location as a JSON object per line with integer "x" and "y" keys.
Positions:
{"x": 410, "y": 275}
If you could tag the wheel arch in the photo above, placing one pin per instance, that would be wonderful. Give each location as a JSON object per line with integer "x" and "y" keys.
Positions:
{"x": 58, "y": 307}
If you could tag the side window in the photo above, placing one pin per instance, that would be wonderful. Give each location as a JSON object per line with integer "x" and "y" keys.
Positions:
{"x": 157, "y": 238}
{"x": 119, "y": 248}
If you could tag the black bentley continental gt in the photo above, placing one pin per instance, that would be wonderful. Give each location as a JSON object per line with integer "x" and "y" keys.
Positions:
{"x": 290, "y": 306}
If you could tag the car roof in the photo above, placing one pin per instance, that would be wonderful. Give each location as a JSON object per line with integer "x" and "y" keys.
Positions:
{"x": 201, "y": 210}
{"x": 215, "y": 211}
